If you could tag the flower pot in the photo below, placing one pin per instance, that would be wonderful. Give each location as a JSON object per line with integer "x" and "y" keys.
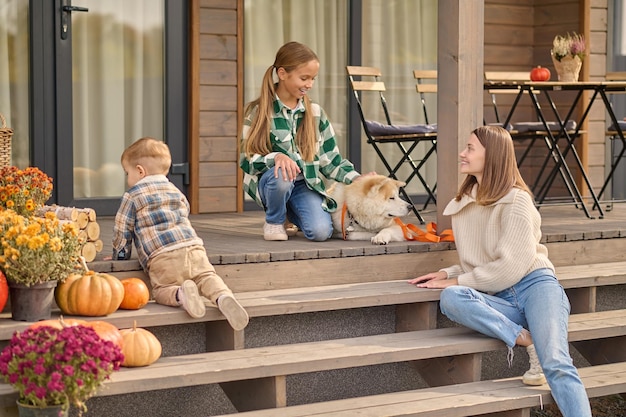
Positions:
{"x": 568, "y": 68}
{"x": 25, "y": 410}
{"x": 32, "y": 303}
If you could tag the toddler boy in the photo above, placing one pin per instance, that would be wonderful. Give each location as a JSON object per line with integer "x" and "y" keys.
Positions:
{"x": 155, "y": 215}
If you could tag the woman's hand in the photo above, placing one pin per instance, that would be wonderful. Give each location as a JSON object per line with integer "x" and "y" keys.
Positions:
{"x": 288, "y": 166}
{"x": 437, "y": 279}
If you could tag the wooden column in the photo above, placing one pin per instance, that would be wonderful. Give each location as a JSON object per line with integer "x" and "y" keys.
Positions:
{"x": 460, "y": 98}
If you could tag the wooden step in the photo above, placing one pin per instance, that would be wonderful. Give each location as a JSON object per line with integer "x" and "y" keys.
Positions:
{"x": 449, "y": 356}
{"x": 420, "y": 304}
{"x": 505, "y": 397}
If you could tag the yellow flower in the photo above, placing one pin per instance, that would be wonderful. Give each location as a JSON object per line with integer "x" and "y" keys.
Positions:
{"x": 24, "y": 190}
{"x": 37, "y": 249}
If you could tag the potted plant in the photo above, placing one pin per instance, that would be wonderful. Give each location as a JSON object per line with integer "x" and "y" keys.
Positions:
{"x": 35, "y": 253}
{"x": 24, "y": 190}
{"x": 567, "y": 54}
{"x": 54, "y": 368}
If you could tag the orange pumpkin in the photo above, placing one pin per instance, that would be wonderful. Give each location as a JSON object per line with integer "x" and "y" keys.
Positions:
{"x": 89, "y": 294}
{"x": 540, "y": 73}
{"x": 136, "y": 294}
{"x": 104, "y": 329}
{"x": 107, "y": 331}
{"x": 4, "y": 290}
{"x": 59, "y": 323}
{"x": 141, "y": 347}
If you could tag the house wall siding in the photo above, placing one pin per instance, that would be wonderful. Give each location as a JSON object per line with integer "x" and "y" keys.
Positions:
{"x": 217, "y": 105}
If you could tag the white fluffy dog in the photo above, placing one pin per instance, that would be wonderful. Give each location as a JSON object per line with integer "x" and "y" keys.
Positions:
{"x": 367, "y": 209}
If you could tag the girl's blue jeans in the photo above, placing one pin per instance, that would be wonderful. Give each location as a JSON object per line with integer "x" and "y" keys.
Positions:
{"x": 538, "y": 303}
{"x": 295, "y": 201}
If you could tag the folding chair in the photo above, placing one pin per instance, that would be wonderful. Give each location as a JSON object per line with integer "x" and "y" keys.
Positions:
{"x": 616, "y": 131}
{"x": 404, "y": 137}
{"x": 525, "y": 130}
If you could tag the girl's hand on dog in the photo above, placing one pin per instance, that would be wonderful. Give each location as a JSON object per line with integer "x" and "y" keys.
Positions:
{"x": 365, "y": 175}
{"x": 437, "y": 279}
{"x": 288, "y": 166}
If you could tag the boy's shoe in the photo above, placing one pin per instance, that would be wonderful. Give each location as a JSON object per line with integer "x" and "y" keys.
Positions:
{"x": 534, "y": 376}
{"x": 190, "y": 299}
{"x": 233, "y": 311}
{"x": 274, "y": 232}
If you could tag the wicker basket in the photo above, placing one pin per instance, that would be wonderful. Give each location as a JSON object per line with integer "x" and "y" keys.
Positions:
{"x": 5, "y": 142}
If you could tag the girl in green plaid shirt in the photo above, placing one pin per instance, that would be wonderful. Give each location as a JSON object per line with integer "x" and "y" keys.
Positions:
{"x": 289, "y": 148}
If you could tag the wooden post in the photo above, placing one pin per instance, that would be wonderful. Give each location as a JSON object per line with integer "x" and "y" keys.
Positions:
{"x": 460, "y": 98}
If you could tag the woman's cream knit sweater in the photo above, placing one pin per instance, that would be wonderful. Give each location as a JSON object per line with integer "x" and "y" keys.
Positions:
{"x": 497, "y": 244}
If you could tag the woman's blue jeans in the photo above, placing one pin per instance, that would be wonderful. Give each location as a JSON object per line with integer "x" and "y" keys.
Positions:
{"x": 295, "y": 201}
{"x": 538, "y": 303}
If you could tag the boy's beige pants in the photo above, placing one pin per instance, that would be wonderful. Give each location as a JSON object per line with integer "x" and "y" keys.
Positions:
{"x": 168, "y": 270}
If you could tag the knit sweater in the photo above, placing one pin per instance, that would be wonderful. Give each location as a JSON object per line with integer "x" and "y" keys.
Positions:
{"x": 497, "y": 244}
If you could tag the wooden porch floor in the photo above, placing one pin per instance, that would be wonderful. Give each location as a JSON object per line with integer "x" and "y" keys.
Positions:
{"x": 238, "y": 237}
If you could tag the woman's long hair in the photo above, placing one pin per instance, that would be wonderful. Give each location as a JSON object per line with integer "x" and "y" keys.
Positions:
{"x": 290, "y": 56}
{"x": 500, "y": 172}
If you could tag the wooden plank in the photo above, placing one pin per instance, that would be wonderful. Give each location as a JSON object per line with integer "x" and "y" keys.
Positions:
{"x": 218, "y": 174}
{"x": 217, "y": 123}
{"x": 450, "y": 370}
{"x": 218, "y": 98}
{"x": 261, "y": 303}
{"x": 218, "y": 72}
{"x": 475, "y": 398}
{"x": 363, "y": 71}
{"x": 280, "y": 360}
{"x": 368, "y": 85}
{"x": 217, "y": 200}
{"x": 218, "y": 21}
{"x": 258, "y": 393}
{"x": 219, "y": 149}
{"x": 218, "y": 47}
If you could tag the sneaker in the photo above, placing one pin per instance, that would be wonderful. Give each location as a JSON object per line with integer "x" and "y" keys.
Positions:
{"x": 290, "y": 228}
{"x": 534, "y": 376}
{"x": 190, "y": 299}
{"x": 233, "y": 311}
{"x": 274, "y": 232}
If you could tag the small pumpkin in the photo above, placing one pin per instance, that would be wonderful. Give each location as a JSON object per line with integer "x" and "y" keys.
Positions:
{"x": 136, "y": 294}
{"x": 540, "y": 73}
{"x": 140, "y": 347}
{"x": 104, "y": 329}
{"x": 89, "y": 294}
{"x": 59, "y": 323}
{"x": 4, "y": 290}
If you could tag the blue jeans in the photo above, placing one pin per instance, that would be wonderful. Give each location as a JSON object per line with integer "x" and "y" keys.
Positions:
{"x": 295, "y": 201}
{"x": 539, "y": 303}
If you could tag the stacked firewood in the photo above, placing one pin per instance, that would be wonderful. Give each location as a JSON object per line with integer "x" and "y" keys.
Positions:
{"x": 88, "y": 227}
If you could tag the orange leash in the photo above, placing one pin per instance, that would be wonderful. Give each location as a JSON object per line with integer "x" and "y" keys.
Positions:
{"x": 344, "y": 211}
{"x": 412, "y": 232}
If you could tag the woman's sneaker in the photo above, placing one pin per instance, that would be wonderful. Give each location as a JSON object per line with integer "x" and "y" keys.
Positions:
{"x": 274, "y": 232}
{"x": 189, "y": 298}
{"x": 534, "y": 376}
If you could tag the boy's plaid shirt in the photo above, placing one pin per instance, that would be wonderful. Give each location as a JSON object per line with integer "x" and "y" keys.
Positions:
{"x": 327, "y": 163}
{"x": 154, "y": 214}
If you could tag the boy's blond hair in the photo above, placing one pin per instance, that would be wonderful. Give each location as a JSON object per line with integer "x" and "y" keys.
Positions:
{"x": 150, "y": 153}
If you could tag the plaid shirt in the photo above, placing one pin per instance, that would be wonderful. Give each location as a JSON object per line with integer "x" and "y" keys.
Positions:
{"x": 327, "y": 163}
{"x": 154, "y": 214}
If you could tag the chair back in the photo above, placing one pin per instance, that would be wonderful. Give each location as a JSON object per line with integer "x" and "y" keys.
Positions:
{"x": 501, "y": 77}
{"x": 616, "y": 76}
{"x": 369, "y": 79}
{"x": 426, "y": 83}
